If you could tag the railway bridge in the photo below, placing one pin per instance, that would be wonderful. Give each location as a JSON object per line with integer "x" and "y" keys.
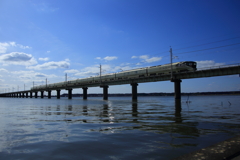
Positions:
{"x": 176, "y": 78}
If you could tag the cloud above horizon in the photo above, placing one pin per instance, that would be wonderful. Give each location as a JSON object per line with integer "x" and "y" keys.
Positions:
{"x": 208, "y": 63}
{"x": 147, "y": 59}
{"x": 51, "y": 65}
{"x": 30, "y": 76}
{"x": 107, "y": 58}
{"x": 43, "y": 59}
{"x": 4, "y": 46}
{"x": 17, "y": 58}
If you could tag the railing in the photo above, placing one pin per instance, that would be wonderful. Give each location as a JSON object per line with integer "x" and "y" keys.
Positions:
{"x": 221, "y": 66}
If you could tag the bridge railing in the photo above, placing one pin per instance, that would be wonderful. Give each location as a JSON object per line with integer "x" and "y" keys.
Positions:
{"x": 221, "y": 66}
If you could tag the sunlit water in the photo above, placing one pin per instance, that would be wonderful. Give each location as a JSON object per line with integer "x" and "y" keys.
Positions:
{"x": 150, "y": 128}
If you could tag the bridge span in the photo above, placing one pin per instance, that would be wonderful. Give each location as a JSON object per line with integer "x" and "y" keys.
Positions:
{"x": 176, "y": 79}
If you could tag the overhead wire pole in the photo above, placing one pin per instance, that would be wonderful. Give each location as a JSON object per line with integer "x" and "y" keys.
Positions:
{"x": 171, "y": 61}
{"x": 100, "y": 73}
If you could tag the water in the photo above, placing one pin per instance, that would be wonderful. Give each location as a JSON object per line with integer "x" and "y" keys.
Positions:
{"x": 150, "y": 128}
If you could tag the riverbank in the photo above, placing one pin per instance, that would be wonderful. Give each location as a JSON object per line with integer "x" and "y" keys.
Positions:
{"x": 225, "y": 150}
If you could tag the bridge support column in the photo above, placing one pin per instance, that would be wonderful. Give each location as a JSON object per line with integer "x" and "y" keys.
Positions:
{"x": 69, "y": 93}
{"x": 134, "y": 91}
{"x": 30, "y": 94}
{"x": 49, "y": 94}
{"x": 36, "y": 94}
{"x": 42, "y": 94}
{"x": 177, "y": 88}
{"x": 23, "y": 95}
{"x": 26, "y": 94}
{"x": 105, "y": 92}
{"x": 84, "y": 92}
{"x": 58, "y": 94}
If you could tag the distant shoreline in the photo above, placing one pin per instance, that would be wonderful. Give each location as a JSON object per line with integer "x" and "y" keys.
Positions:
{"x": 155, "y": 94}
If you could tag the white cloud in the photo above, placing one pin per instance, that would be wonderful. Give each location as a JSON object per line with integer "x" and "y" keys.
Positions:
{"x": 5, "y": 45}
{"x": 143, "y": 57}
{"x": 110, "y": 58}
{"x": 207, "y": 63}
{"x": 3, "y": 70}
{"x": 107, "y": 58}
{"x": 71, "y": 71}
{"x": 43, "y": 59}
{"x": 95, "y": 70}
{"x": 89, "y": 71}
{"x": 51, "y": 65}
{"x": 146, "y": 59}
{"x": 153, "y": 59}
{"x": 32, "y": 75}
{"x": 138, "y": 64}
{"x": 17, "y": 58}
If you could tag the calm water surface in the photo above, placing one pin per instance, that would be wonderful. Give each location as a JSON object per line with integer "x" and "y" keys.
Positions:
{"x": 151, "y": 128}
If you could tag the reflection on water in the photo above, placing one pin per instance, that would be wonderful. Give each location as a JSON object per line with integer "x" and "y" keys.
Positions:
{"x": 151, "y": 127}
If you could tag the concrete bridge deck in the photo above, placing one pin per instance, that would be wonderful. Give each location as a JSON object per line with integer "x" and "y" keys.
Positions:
{"x": 177, "y": 78}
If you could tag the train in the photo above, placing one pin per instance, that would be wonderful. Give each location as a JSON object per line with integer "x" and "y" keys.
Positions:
{"x": 178, "y": 67}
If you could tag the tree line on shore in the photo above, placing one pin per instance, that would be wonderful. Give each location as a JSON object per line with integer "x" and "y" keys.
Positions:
{"x": 155, "y": 94}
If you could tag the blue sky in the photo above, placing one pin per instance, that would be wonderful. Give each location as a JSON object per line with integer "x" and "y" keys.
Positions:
{"x": 42, "y": 39}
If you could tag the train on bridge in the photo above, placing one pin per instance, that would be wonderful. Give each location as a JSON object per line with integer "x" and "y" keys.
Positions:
{"x": 159, "y": 70}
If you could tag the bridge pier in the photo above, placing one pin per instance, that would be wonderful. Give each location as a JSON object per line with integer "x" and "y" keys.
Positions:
{"x": 134, "y": 91}
{"x": 84, "y": 92}
{"x": 69, "y": 93}
{"x": 49, "y": 94}
{"x": 42, "y": 95}
{"x": 177, "y": 88}
{"x": 26, "y": 94}
{"x": 105, "y": 92}
{"x": 36, "y": 94}
{"x": 23, "y": 95}
{"x": 58, "y": 94}
{"x": 30, "y": 94}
